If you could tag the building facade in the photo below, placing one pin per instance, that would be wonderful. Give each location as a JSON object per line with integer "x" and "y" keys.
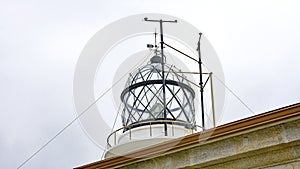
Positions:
{"x": 269, "y": 140}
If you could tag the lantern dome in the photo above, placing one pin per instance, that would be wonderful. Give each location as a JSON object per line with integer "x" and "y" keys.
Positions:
{"x": 143, "y": 96}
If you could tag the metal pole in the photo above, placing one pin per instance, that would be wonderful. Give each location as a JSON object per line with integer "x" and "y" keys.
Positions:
{"x": 201, "y": 83}
{"x": 163, "y": 74}
{"x": 212, "y": 99}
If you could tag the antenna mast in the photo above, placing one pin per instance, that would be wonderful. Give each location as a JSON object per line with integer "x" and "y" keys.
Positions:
{"x": 163, "y": 65}
{"x": 201, "y": 82}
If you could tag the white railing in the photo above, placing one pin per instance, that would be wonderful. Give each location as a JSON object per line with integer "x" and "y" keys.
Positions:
{"x": 133, "y": 131}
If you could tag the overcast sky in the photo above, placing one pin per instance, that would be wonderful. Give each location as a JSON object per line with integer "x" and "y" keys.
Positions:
{"x": 40, "y": 41}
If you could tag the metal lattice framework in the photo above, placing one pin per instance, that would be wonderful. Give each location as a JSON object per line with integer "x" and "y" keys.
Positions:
{"x": 143, "y": 97}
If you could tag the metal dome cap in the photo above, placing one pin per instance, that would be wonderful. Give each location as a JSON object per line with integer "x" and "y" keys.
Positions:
{"x": 142, "y": 97}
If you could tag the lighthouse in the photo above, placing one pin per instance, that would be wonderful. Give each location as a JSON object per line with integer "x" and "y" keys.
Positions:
{"x": 158, "y": 104}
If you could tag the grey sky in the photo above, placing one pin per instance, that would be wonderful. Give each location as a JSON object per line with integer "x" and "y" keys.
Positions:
{"x": 40, "y": 41}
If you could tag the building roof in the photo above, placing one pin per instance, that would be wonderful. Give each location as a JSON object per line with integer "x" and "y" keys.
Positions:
{"x": 258, "y": 121}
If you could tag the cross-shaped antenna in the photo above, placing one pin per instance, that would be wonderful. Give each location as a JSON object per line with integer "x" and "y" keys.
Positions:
{"x": 162, "y": 64}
